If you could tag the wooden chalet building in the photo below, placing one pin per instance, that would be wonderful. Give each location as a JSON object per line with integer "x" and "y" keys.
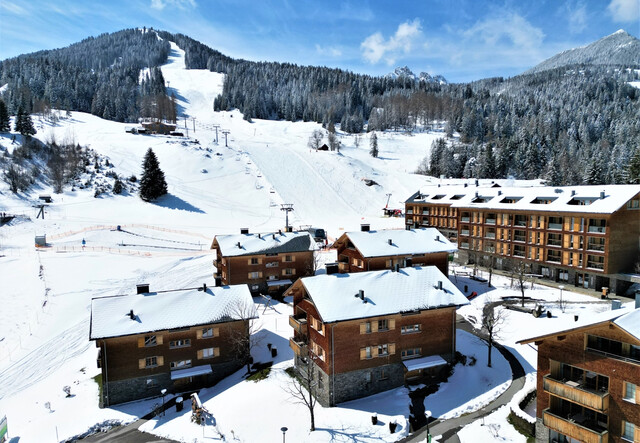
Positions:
{"x": 174, "y": 340}
{"x": 589, "y": 380}
{"x": 587, "y": 236}
{"x": 267, "y": 262}
{"x": 367, "y": 332}
{"x": 367, "y": 250}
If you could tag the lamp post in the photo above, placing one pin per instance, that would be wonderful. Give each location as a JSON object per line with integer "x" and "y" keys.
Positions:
{"x": 561, "y": 287}
{"x": 163, "y": 392}
{"x": 428, "y": 415}
{"x": 284, "y": 430}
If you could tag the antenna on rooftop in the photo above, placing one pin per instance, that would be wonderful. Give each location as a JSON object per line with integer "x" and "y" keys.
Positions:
{"x": 225, "y": 132}
{"x": 286, "y": 207}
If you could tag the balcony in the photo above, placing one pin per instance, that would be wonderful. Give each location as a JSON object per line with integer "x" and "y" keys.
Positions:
{"x": 299, "y": 347}
{"x": 597, "y": 229}
{"x": 556, "y": 226}
{"x": 343, "y": 267}
{"x": 272, "y": 264}
{"x": 491, "y": 235}
{"x": 490, "y": 221}
{"x": 464, "y": 219}
{"x": 520, "y": 238}
{"x": 464, "y": 232}
{"x": 575, "y": 392}
{"x": 595, "y": 247}
{"x": 409, "y": 211}
{"x": 576, "y": 426}
{"x": 299, "y": 323}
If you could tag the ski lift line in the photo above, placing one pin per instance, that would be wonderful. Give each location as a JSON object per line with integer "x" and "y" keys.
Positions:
{"x": 159, "y": 239}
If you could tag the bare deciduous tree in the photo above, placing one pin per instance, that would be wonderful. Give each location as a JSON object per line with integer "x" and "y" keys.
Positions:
{"x": 315, "y": 139}
{"x": 245, "y": 340}
{"x": 493, "y": 320}
{"x": 303, "y": 386}
{"x": 519, "y": 274}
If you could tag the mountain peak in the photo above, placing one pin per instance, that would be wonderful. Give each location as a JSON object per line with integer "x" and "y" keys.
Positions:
{"x": 406, "y": 73}
{"x": 619, "y": 48}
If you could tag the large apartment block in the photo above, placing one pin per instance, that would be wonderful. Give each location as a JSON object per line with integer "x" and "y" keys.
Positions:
{"x": 267, "y": 262}
{"x": 367, "y": 332}
{"x": 174, "y": 340}
{"x": 588, "y": 386}
{"x": 587, "y": 236}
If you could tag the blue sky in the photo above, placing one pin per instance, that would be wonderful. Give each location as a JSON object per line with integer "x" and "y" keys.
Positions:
{"x": 460, "y": 39}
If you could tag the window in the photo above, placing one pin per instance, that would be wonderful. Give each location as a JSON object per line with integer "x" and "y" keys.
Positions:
{"x": 151, "y": 383}
{"x": 182, "y": 343}
{"x": 288, "y": 258}
{"x": 628, "y": 430}
{"x": 150, "y": 340}
{"x": 209, "y": 332}
{"x": 409, "y": 329}
{"x": 209, "y": 352}
{"x": 181, "y": 364}
{"x": 383, "y": 350}
{"x": 254, "y": 275}
{"x": 410, "y": 353}
{"x": 255, "y": 261}
{"x": 289, "y": 271}
{"x": 357, "y": 262}
{"x": 151, "y": 362}
{"x": 384, "y": 374}
{"x": 368, "y": 377}
{"x": 383, "y": 325}
{"x": 367, "y": 327}
{"x": 629, "y": 392}
{"x": 367, "y": 352}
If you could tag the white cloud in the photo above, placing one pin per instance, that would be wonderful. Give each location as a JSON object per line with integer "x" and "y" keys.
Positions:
{"x": 577, "y": 19}
{"x": 331, "y": 51}
{"x": 507, "y": 29}
{"x": 624, "y": 10}
{"x": 181, "y": 4}
{"x": 375, "y": 47}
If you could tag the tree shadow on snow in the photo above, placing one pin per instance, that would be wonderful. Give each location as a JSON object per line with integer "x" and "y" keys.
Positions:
{"x": 170, "y": 201}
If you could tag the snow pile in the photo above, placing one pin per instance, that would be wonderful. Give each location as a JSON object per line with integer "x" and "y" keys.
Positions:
{"x": 530, "y": 386}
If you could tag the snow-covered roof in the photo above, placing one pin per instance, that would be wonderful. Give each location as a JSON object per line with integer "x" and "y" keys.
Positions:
{"x": 110, "y": 316}
{"x": 598, "y": 199}
{"x": 424, "y": 362}
{"x": 265, "y": 243}
{"x": 385, "y": 292}
{"x": 403, "y": 242}
{"x": 626, "y": 318}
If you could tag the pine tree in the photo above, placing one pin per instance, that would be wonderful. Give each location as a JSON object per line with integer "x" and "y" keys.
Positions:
{"x": 24, "y": 124}
{"x": 152, "y": 183}
{"x": 4, "y": 117}
{"x": 374, "y": 145}
{"x": 633, "y": 168}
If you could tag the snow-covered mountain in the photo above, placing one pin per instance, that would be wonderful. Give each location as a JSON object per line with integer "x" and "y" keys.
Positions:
{"x": 405, "y": 72}
{"x": 619, "y": 48}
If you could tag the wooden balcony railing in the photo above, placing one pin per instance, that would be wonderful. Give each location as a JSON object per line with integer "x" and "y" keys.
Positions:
{"x": 576, "y": 393}
{"x": 299, "y": 347}
{"x": 299, "y": 324}
{"x": 575, "y": 428}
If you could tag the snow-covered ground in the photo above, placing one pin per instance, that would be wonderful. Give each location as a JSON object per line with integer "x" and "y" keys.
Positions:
{"x": 213, "y": 189}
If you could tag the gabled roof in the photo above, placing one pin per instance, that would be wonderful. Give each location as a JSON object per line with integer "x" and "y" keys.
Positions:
{"x": 335, "y": 296}
{"x": 627, "y": 319}
{"x": 598, "y": 199}
{"x": 168, "y": 310}
{"x": 403, "y": 242}
{"x": 264, "y": 243}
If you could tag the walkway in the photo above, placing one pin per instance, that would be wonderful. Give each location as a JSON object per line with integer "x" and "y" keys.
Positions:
{"x": 448, "y": 429}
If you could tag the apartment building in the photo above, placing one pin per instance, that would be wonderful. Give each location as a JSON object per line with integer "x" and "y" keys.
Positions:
{"x": 367, "y": 250}
{"x": 267, "y": 262}
{"x": 367, "y": 332}
{"x": 175, "y": 340}
{"x": 588, "y": 380}
{"x": 586, "y": 236}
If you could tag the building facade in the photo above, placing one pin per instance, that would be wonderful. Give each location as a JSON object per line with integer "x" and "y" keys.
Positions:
{"x": 267, "y": 262}
{"x": 588, "y": 386}
{"x": 587, "y": 236}
{"x": 176, "y": 340}
{"x": 368, "y": 332}
{"x": 387, "y": 249}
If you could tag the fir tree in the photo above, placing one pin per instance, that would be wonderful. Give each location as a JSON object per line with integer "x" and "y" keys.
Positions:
{"x": 152, "y": 183}
{"x": 374, "y": 145}
{"x": 24, "y": 124}
{"x": 633, "y": 168}
{"x": 4, "y": 117}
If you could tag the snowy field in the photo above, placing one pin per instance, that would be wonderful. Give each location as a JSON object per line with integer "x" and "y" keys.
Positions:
{"x": 213, "y": 189}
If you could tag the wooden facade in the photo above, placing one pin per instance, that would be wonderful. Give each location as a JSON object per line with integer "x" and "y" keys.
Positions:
{"x": 582, "y": 248}
{"x": 582, "y": 389}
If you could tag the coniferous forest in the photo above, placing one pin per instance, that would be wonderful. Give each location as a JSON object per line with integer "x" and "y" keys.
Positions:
{"x": 571, "y": 124}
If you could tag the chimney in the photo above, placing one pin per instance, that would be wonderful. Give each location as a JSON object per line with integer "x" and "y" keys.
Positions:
{"x": 280, "y": 231}
{"x": 476, "y": 191}
{"x": 601, "y": 194}
{"x": 132, "y": 316}
{"x": 465, "y": 185}
{"x": 361, "y": 294}
{"x": 437, "y": 238}
{"x": 408, "y": 262}
{"x": 288, "y": 229}
{"x": 244, "y": 230}
{"x": 204, "y": 287}
{"x": 390, "y": 241}
{"x": 365, "y": 227}
{"x": 573, "y": 192}
{"x": 440, "y": 284}
{"x": 142, "y": 288}
{"x": 408, "y": 227}
{"x": 331, "y": 268}
{"x": 616, "y": 304}
{"x": 397, "y": 267}
{"x": 239, "y": 245}
{"x": 477, "y": 182}
{"x": 274, "y": 236}
{"x": 218, "y": 281}
{"x": 499, "y": 192}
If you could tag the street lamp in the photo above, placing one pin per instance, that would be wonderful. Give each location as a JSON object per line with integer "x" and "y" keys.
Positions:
{"x": 428, "y": 415}
{"x": 163, "y": 392}
{"x": 284, "y": 430}
{"x": 561, "y": 287}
